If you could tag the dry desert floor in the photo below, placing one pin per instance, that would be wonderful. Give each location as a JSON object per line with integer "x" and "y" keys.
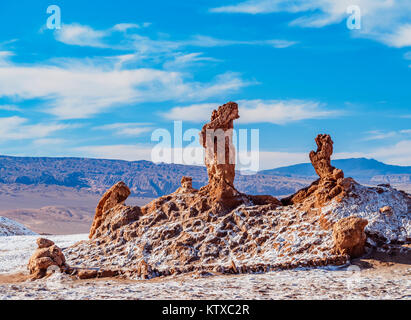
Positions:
{"x": 377, "y": 276}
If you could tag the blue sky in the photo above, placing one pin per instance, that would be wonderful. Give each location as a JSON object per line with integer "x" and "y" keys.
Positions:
{"x": 117, "y": 70}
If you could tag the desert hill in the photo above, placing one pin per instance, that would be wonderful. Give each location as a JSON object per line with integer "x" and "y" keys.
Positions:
{"x": 147, "y": 179}
{"x": 361, "y": 169}
{"x": 10, "y": 227}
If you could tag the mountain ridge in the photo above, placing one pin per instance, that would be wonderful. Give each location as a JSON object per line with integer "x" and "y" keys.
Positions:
{"x": 359, "y": 168}
{"x": 148, "y": 179}
{"x": 145, "y": 178}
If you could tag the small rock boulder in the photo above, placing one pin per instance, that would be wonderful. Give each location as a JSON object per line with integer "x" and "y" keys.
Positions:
{"x": 47, "y": 254}
{"x": 349, "y": 236}
{"x": 387, "y": 211}
{"x": 187, "y": 183}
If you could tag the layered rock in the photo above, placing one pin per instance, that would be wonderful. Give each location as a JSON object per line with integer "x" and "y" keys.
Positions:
{"x": 47, "y": 255}
{"x": 331, "y": 183}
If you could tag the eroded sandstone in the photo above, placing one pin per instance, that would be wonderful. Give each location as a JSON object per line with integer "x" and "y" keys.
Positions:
{"x": 331, "y": 183}
{"x": 221, "y": 230}
{"x": 47, "y": 255}
{"x": 116, "y": 195}
{"x": 349, "y": 236}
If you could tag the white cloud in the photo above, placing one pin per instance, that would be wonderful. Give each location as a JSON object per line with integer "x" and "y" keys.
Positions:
{"x": 382, "y": 135}
{"x": 80, "y": 90}
{"x": 80, "y": 35}
{"x": 193, "y": 113}
{"x": 86, "y": 36}
{"x": 382, "y": 20}
{"x": 127, "y": 26}
{"x": 281, "y": 112}
{"x": 273, "y": 159}
{"x": 127, "y": 129}
{"x": 182, "y": 60}
{"x": 49, "y": 142}
{"x": 5, "y": 56}
{"x": 379, "y": 135}
{"x": 17, "y": 128}
{"x": 118, "y": 152}
{"x": 401, "y": 37}
{"x": 397, "y": 154}
{"x": 9, "y": 107}
{"x": 206, "y": 41}
{"x": 256, "y": 111}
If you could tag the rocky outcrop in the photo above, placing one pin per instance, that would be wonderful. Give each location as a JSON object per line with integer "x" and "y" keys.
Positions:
{"x": 349, "y": 236}
{"x": 218, "y": 229}
{"x": 219, "y": 196}
{"x": 116, "y": 195}
{"x": 321, "y": 159}
{"x": 217, "y": 140}
{"x": 47, "y": 254}
{"x": 331, "y": 183}
{"x": 186, "y": 185}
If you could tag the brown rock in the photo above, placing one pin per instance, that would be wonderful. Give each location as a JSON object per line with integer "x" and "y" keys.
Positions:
{"x": 331, "y": 183}
{"x": 87, "y": 274}
{"x": 187, "y": 182}
{"x": 44, "y": 243}
{"x": 47, "y": 254}
{"x": 117, "y": 194}
{"x": 217, "y": 139}
{"x": 321, "y": 159}
{"x": 387, "y": 210}
{"x": 349, "y": 236}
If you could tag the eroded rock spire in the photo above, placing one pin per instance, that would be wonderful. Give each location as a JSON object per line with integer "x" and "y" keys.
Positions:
{"x": 331, "y": 183}
{"x": 217, "y": 140}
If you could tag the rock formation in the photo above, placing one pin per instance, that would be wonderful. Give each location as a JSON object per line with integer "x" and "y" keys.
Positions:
{"x": 331, "y": 183}
{"x": 220, "y": 157}
{"x": 218, "y": 229}
{"x": 217, "y": 140}
{"x": 349, "y": 236}
{"x": 186, "y": 185}
{"x": 47, "y": 254}
{"x": 219, "y": 196}
{"x": 117, "y": 194}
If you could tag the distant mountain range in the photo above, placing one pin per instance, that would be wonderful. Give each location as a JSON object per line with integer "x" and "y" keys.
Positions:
{"x": 362, "y": 169}
{"x": 147, "y": 179}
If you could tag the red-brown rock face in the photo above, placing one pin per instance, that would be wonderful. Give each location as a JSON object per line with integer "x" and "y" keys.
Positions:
{"x": 331, "y": 183}
{"x": 117, "y": 194}
{"x": 47, "y": 254}
{"x": 349, "y": 236}
{"x": 217, "y": 140}
{"x": 321, "y": 159}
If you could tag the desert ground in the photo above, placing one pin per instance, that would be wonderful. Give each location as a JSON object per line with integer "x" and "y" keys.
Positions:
{"x": 375, "y": 276}
{"x": 52, "y": 209}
